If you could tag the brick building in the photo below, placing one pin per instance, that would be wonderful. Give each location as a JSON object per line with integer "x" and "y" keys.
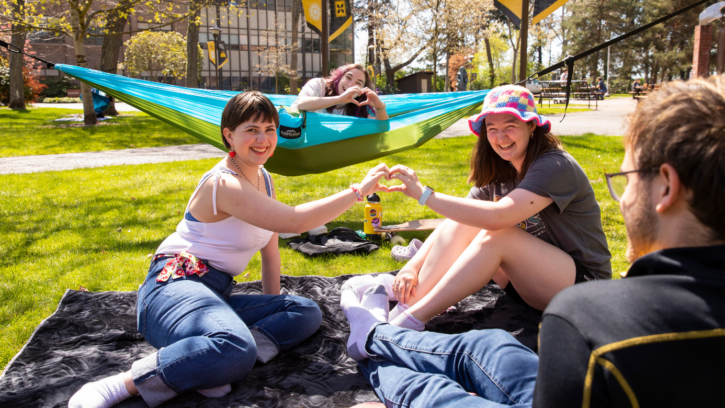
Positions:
{"x": 243, "y": 37}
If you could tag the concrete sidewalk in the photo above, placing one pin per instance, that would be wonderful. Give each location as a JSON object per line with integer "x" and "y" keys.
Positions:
{"x": 69, "y": 161}
{"x": 120, "y": 106}
{"x": 608, "y": 119}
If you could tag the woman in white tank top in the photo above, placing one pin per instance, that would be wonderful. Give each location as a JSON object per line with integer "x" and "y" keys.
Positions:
{"x": 206, "y": 337}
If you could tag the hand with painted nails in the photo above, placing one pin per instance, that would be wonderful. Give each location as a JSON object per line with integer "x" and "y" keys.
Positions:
{"x": 350, "y": 94}
{"x": 411, "y": 186}
{"x": 405, "y": 283}
{"x": 372, "y": 99}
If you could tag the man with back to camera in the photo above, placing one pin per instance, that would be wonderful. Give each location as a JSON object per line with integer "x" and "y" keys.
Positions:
{"x": 654, "y": 338}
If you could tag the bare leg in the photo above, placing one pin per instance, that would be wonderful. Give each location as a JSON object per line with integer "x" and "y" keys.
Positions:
{"x": 450, "y": 243}
{"x": 128, "y": 382}
{"x": 538, "y": 269}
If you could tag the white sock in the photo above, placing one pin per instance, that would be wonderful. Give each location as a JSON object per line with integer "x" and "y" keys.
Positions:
{"x": 359, "y": 284}
{"x": 216, "y": 392}
{"x": 397, "y": 310}
{"x": 362, "y": 315}
{"x": 386, "y": 280}
{"x": 100, "y": 394}
{"x": 408, "y": 321}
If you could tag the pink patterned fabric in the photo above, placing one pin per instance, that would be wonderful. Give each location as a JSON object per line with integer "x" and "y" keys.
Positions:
{"x": 512, "y": 99}
{"x": 183, "y": 264}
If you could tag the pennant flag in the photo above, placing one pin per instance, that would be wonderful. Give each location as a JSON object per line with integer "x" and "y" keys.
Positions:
{"x": 340, "y": 16}
{"x": 223, "y": 58}
{"x": 313, "y": 15}
{"x": 512, "y": 9}
{"x": 211, "y": 46}
{"x": 544, "y": 8}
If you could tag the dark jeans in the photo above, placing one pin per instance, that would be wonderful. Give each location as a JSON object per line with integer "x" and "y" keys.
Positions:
{"x": 207, "y": 338}
{"x": 425, "y": 369}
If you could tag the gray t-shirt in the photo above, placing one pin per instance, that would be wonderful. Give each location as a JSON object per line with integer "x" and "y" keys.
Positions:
{"x": 573, "y": 222}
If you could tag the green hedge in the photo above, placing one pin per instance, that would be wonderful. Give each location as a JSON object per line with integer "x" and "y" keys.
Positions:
{"x": 61, "y": 100}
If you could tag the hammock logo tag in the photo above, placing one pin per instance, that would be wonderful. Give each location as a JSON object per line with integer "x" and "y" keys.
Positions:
{"x": 289, "y": 132}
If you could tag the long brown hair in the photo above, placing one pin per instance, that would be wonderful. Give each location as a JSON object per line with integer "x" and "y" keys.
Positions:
{"x": 488, "y": 167}
{"x": 333, "y": 81}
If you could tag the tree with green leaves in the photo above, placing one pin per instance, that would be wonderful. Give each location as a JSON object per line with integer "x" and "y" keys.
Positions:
{"x": 159, "y": 53}
{"x": 77, "y": 18}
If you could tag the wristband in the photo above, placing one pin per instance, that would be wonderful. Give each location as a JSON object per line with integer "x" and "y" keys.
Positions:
{"x": 357, "y": 192}
{"x": 424, "y": 197}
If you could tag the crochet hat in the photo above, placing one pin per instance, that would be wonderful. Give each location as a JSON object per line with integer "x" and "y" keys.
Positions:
{"x": 512, "y": 99}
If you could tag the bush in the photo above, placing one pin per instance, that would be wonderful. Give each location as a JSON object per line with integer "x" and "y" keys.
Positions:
{"x": 61, "y": 100}
{"x": 32, "y": 88}
{"x": 56, "y": 86}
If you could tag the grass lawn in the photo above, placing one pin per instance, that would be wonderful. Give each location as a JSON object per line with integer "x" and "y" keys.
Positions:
{"x": 96, "y": 227}
{"x": 34, "y": 131}
{"x": 622, "y": 95}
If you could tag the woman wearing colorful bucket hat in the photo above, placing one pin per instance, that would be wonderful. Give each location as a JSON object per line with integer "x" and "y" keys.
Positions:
{"x": 531, "y": 221}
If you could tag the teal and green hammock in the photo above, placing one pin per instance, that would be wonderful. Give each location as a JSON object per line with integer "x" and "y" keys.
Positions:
{"x": 326, "y": 142}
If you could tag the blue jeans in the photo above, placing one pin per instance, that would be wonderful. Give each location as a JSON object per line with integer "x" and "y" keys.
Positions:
{"x": 207, "y": 338}
{"x": 423, "y": 369}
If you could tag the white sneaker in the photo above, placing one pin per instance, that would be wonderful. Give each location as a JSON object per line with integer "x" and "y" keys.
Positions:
{"x": 288, "y": 235}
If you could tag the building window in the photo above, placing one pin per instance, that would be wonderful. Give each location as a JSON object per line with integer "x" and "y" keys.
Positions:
{"x": 93, "y": 40}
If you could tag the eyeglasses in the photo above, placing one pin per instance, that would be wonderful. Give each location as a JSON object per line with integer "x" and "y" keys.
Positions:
{"x": 617, "y": 182}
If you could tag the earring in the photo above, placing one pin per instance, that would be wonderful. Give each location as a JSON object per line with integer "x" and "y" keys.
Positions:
{"x": 532, "y": 136}
{"x": 232, "y": 153}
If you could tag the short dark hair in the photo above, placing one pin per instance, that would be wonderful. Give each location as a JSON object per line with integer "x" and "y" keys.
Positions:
{"x": 245, "y": 107}
{"x": 683, "y": 124}
{"x": 488, "y": 167}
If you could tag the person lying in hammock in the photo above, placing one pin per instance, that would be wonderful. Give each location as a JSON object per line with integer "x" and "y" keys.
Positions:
{"x": 348, "y": 91}
{"x": 531, "y": 222}
{"x": 206, "y": 337}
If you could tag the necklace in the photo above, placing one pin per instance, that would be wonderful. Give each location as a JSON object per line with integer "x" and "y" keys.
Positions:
{"x": 245, "y": 176}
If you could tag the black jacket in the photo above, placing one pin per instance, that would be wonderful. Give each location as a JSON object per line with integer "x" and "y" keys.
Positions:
{"x": 653, "y": 339}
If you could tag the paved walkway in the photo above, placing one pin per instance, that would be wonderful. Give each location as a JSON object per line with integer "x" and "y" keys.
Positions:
{"x": 120, "y": 106}
{"x": 69, "y": 161}
{"x": 609, "y": 119}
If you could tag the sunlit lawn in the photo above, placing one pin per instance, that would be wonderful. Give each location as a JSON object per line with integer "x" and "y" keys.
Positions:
{"x": 96, "y": 227}
{"x": 35, "y": 132}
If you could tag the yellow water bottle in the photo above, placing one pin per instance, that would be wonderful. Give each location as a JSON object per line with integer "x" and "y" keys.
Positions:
{"x": 373, "y": 217}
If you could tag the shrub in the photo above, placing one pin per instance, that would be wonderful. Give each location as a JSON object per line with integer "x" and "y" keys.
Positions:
{"x": 32, "y": 88}
{"x": 61, "y": 100}
{"x": 56, "y": 86}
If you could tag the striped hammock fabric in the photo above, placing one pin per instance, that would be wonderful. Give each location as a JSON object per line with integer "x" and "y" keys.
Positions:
{"x": 326, "y": 141}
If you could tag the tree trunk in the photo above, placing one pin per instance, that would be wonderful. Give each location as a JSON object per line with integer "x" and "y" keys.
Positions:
{"x": 110, "y": 49}
{"x": 17, "y": 90}
{"x": 491, "y": 69}
{"x": 293, "y": 59}
{"x": 447, "y": 83}
{"x": 434, "y": 54}
{"x": 192, "y": 48}
{"x": 79, "y": 32}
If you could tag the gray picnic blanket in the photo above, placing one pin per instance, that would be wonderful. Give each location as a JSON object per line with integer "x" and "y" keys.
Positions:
{"x": 93, "y": 335}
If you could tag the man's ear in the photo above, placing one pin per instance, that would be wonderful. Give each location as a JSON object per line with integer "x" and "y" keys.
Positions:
{"x": 669, "y": 189}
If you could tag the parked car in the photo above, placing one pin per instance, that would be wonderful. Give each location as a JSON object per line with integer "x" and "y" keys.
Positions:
{"x": 534, "y": 86}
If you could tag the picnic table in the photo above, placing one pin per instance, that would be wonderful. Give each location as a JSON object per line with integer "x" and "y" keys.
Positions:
{"x": 644, "y": 91}
{"x": 556, "y": 91}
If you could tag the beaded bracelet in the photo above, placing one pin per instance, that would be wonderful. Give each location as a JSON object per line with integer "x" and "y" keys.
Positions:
{"x": 357, "y": 193}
